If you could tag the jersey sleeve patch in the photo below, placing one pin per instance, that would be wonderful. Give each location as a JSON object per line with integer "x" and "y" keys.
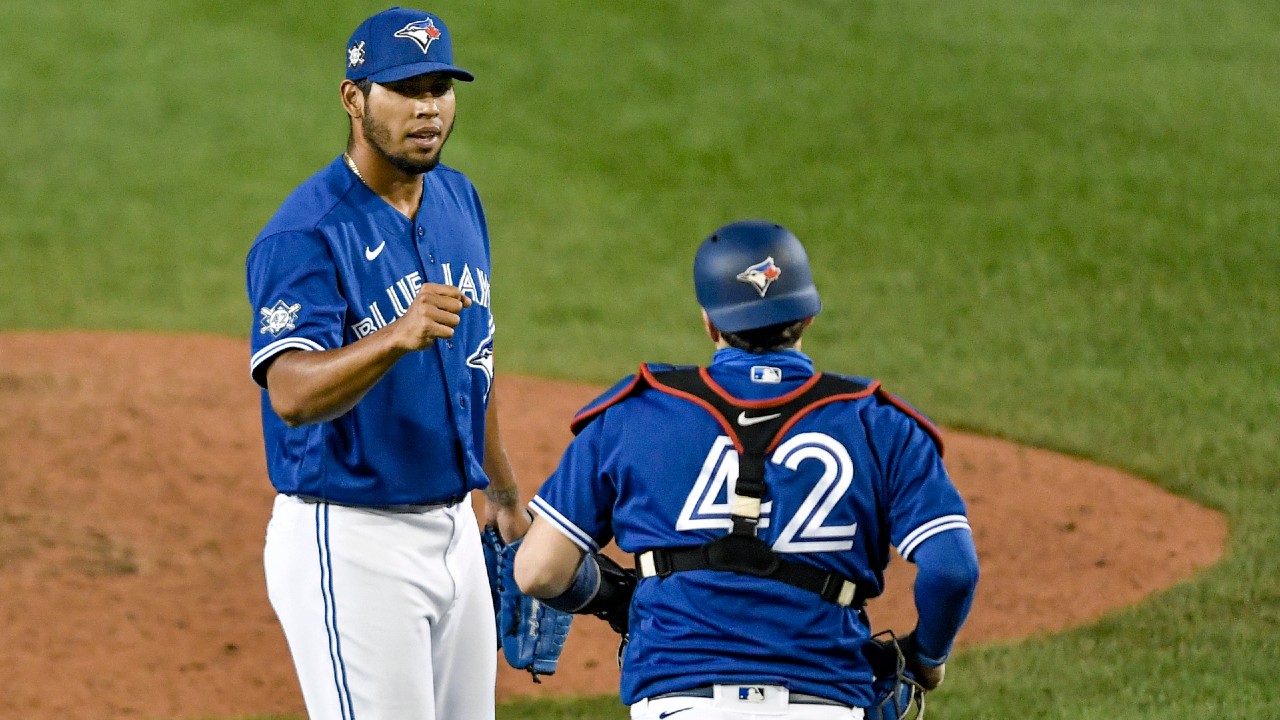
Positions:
{"x": 924, "y": 422}
{"x": 292, "y": 285}
{"x": 928, "y": 530}
{"x": 563, "y": 524}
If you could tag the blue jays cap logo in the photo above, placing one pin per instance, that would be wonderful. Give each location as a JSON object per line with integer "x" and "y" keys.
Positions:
{"x": 761, "y": 275}
{"x": 423, "y": 32}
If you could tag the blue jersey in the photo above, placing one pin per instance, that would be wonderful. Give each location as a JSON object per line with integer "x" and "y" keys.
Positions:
{"x": 848, "y": 481}
{"x": 337, "y": 263}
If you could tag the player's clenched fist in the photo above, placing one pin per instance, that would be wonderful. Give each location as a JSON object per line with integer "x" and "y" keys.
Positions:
{"x": 432, "y": 314}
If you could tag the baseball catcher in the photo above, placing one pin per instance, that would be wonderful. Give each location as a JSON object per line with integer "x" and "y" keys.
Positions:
{"x": 530, "y": 633}
{"x": 760, "y": 499}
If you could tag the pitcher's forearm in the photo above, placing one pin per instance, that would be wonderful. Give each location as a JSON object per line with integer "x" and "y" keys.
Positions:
{"x": 316, "y": 386}
{"x": 502, "y": 490}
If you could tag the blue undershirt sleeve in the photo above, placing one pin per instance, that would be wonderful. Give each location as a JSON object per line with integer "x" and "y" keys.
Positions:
{"x": 945, "y": 583}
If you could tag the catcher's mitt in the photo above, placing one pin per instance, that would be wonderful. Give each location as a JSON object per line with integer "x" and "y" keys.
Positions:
{"x": 896, "y": 688}
{"x": 530, "y": 634}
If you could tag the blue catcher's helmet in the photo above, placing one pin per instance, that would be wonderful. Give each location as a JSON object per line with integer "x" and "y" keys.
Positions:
{"x": 752, "y": 274}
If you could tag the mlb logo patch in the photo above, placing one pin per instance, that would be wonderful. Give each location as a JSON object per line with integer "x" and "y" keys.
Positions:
{"x": 751, "y": 694}
{"x": 766, "y": 374}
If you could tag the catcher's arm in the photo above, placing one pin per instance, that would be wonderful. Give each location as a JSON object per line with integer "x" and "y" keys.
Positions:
{"x": 551, "y": 567}
{"x": 906, "y": 668}
{"x": 946, "y": 579}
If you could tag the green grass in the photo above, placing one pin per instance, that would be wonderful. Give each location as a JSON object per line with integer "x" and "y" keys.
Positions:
{"x": 1052, "y": 223}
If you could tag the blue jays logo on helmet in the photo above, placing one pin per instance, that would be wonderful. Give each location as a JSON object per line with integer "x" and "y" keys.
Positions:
{"x": 761, "y": 275}
{"x": 423, "y": 32}
{"x": 737, "y": 299}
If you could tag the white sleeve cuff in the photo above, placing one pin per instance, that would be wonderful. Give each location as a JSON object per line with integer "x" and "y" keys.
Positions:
{"x": 561, "y": 523}
{"x": 275, "y": 348}
{"x": 928, "y": 530}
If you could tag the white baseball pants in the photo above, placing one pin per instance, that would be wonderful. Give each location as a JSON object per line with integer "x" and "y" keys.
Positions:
{"x": 388, "y": 615}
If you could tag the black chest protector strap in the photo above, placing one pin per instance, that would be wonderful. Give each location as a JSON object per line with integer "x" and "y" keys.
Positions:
{"x": 755, "y": 429}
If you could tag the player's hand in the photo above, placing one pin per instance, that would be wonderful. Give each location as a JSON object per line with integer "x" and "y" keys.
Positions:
{"x": 929, "y": 677}
{"x": 432, "y": 314}
{"x": 512, "y": 522}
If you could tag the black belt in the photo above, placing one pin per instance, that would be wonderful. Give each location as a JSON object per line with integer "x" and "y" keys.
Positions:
{"x": 404, "y": 508}
{"x": 708, "y": 691}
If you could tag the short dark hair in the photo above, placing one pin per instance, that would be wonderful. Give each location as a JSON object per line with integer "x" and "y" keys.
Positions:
{"x": 769, "y": 338}
{"x": 365, "y": 85}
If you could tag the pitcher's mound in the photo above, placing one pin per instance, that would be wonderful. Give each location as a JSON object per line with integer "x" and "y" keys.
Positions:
{"x": 134, "y": 502}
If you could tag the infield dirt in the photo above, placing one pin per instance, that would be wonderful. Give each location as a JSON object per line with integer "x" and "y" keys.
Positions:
{"x": 134, "y": 498}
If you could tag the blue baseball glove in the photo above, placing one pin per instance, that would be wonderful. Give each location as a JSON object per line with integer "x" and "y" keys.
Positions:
{"x": 530, "y": 634}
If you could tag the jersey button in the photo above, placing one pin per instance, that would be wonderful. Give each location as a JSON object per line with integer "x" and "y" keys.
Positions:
{"x": 448, "y": 344}
{"x": 421, "y": 232}
{"x": 462, "y": 401}
{"x": 431, "y": 258}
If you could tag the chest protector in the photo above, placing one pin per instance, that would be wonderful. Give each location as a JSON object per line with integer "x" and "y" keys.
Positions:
{"x": 756, "y": 428}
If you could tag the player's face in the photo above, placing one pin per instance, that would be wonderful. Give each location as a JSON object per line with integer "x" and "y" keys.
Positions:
{"x": 408, "y": 121}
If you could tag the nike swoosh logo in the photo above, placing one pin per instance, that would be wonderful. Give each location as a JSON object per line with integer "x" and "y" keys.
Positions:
{"x": 669, "y": 713}
{"x": 370, "y": 255}
{"x": 744, "y": 421}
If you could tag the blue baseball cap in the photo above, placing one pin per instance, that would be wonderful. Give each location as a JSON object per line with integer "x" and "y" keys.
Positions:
{"x": 400, "y": 43}
{"x": 753, "y": 274}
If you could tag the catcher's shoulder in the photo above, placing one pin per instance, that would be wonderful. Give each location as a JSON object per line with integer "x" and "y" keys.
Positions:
{"x": 906, "y": 413}
{"x": 620, "y": 391}
{"x": 876, "y": 399}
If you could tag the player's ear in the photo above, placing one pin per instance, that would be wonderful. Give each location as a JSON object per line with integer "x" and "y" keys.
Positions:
{"x": 713, "y": 332}
{"x": 352, "y": 99}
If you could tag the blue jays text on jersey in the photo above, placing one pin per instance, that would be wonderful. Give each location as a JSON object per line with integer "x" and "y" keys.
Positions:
{"x": 337, "y": 263}
{"x": 848, "y": 481}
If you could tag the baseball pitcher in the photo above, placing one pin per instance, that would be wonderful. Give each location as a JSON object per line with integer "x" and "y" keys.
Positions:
{"x": 373, "y": 344}
{"x": 760, "y": 499}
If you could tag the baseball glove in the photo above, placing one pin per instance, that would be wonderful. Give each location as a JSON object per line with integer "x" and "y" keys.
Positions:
{"x": 530, "y": 634}
{"x": 896, "y": 686}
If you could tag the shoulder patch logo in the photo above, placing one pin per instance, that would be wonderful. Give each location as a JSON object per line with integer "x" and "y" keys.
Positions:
{"x": 423, "y": 32}
{"x": 761, "y": 275}
{"x": 355, "y": 55}
{"x": 279, "y": 317}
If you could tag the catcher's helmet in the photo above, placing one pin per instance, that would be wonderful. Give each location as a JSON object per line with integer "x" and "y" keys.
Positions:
{"x": 752, "y": 274}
